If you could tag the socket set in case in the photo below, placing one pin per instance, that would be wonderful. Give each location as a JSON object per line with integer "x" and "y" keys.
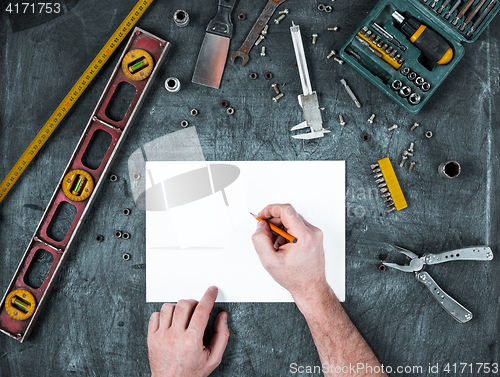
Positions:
{"x": 407, "y": 49}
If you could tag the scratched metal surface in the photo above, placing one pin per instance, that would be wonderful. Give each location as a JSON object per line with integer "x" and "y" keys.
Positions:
{"x": 95, "y": 321}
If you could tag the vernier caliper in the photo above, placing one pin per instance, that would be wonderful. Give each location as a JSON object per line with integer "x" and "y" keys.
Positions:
{"x": 309, "y": 100}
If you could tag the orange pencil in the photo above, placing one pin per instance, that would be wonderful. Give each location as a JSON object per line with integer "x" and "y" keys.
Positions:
{"x": 277, "y": 230}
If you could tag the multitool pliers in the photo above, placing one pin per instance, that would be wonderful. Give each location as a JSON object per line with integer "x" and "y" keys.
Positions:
{"x": 417, "y": 264}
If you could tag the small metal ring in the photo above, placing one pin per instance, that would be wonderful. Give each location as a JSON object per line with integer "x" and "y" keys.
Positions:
{"x": 365, "y": 137}
{"x": 184, "y": 123}
{"x": 118, "y": 234}
{"x": 99, "y": 238}
{"x": 125, "y": 235}
{"x": 126, "y": 211}
{"x": 224, "y": 103}
{"x": 230, "y": 110}
{"x": 382, "y": 267}
{"x": 126, "y": 256}
{"x": 321, "y": 7}
{"x": 328, "y": 9}
{"x": 242, "y": 16}
{"x": 113, "y": 178}
{"x": 253, "y": 75}
{"x": 194, "y": 112}
{"x": 268, "y": 75}
{"x": 428, "y": 134}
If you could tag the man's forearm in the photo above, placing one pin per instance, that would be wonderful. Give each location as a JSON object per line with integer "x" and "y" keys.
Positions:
{"x": 338, "y": 341}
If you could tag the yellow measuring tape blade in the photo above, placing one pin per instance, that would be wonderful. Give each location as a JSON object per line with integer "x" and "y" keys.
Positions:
{"x": 75, "y": 93}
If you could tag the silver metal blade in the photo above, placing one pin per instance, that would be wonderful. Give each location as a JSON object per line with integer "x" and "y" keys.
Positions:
{"x": 211, "y": 60}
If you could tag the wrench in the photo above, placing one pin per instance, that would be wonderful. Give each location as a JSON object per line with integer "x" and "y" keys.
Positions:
{"x": 257, "y": 28}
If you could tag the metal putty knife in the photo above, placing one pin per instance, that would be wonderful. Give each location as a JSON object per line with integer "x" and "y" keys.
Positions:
{"x": 213, "y": 52}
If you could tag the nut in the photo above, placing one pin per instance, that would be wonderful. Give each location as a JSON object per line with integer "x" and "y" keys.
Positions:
{"x": 113, "y": 178}
{"x": 224, "y": 103}
{"x": 125, "y": 235}
{"x": 268, "y": 75}
{"x": 181, "y": 18}
{"x": 126, "y": 256}
{"x": 428, "y": 134}
{"x": 253, "y": 75}
{"x": 194, "y": 112}
{"x": 242, "y": 16}
{"x": 184, "y": 123}
{"x": 126, "y": 211}
{"x": 230, "y": 110}
{"x": 118, "y": 234}
{"x": 172, "y": 84}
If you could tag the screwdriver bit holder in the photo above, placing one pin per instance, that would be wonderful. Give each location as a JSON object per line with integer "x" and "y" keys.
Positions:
{"x": 363, "y": 50}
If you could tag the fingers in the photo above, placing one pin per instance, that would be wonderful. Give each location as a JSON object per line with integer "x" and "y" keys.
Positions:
{"x": 182, "y": 313}
{"x": 218, "y": 342}
{"x": 202, "y": 312}
{"x": 154, "y": 323}
{"x": 166, "y": 313}
{"x": 262, "y": 239}
{"x": 288, "y": 215}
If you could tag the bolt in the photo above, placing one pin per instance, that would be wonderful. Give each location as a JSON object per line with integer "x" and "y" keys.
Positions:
{"x": 411, "y": 147}
{"x": 393, "y": 127}
{"x": 415, "y": 125}
{"x": 371, "y": 119}
{"x": 412, "y": 164}
{"x": 315, "y": 36}
{"x": 333, "y": 28}
{"x": 405, "y": 157}
{"x": 263, "y": 51}
{"x": 339, "y": 61}
{"x": 277, "y": 21}
{"x": 275, "y": 99}
{"x": 261, "y": 38}
{"x": 284, "y": 11}
{"x": 264, "y": 31}
{"x": 342, "y": 123}
{"x": 331, "y": 54}
{"x": 275, "y": 87}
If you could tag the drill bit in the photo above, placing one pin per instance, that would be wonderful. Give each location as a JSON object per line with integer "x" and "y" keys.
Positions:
{"x": 453, "y": 9}
{"x": 389, "y": 36}
{"x": 445, "y": 4}
{"x": 351, "y": 94}
{"x": 472, "y": 15}
{"x": 481, "y": 18}
{"x": 462, "y": 12}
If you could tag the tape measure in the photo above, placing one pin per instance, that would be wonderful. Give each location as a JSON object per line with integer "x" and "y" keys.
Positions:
{"x": 71, "y": 98}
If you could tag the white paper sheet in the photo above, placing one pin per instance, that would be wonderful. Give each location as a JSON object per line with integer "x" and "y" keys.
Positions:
{"x": 204, "y": 236}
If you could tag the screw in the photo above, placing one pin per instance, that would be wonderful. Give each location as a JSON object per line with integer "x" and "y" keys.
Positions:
{"x": 371, "y": 119}
{"x": 405, "y": 157}
{"x": 261, "y": 38}
{"x": 277, "y": 21}
{"x": 412, "y": 164}
{"x": 263, "y": 51}
{"x": 342, "y": 123}
{"x": 411, "y": 147}
{"x": 333, "y": 28}
{"x": 415, "y": 125}
{"x": 331, "y": 54}
{"x": 275, "y": 99}
{"x": 339, "y": 61}
{"x": 315, "y": 36}
{"x": 284, "y": 11}
{"x": 275, "y": 87}
{"x": 264, "y": 32}
{"x": 393, "y": 127}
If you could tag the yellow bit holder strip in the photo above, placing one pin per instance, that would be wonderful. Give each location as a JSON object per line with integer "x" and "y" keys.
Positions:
{"x": 73, "y": 95}
{"x": 392, "y": 183}
{"x": 385, "y": 56}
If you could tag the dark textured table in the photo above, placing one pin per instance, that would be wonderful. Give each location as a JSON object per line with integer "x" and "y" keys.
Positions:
{"x": 95, "y": 321}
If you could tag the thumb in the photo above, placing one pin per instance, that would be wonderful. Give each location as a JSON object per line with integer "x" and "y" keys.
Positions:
{"x": 218, "y": 342}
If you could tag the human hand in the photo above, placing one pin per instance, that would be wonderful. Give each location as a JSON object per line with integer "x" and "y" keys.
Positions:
{"x": 175, "y": 338}
{"x": 298, "y": 267}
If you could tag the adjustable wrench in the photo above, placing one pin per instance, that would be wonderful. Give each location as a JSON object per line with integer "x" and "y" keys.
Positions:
{"x": 257, "y": 28}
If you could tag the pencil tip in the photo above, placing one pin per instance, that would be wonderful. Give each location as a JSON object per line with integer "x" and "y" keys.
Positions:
{"x": 252, "y": 214}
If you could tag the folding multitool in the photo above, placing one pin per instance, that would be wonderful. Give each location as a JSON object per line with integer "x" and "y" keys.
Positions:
{"x": 417, "y": 264}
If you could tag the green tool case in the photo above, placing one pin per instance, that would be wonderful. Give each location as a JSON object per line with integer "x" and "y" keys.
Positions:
{"x": 383, "y": 52}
